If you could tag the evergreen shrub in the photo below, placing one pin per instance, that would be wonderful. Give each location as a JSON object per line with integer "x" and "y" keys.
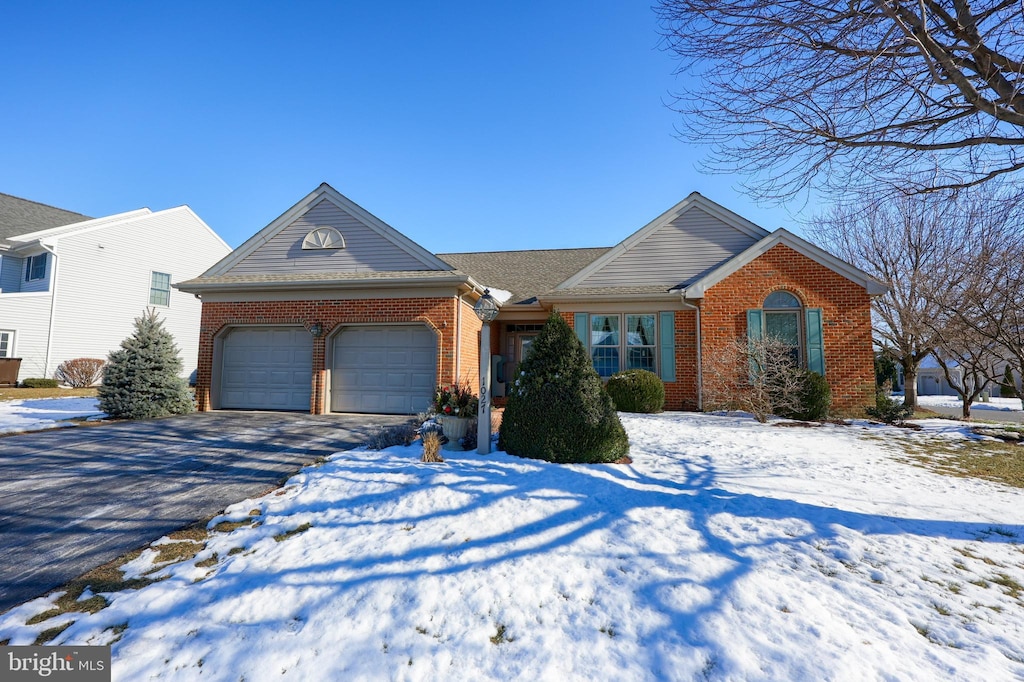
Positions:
{"x": 39, "y": 382}
{"x": 557, "y": 409}
{"x": 143, "y": 377}
{"x": 813, "y": 398}
{"x": 637, "y": 390}
{"x": 888, "y": 410}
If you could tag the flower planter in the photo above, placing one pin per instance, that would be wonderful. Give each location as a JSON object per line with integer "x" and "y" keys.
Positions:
{"x": 455, "y": 428}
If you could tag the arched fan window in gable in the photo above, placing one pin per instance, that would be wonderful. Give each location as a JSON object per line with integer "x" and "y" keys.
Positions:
{"x": 323, "y": 238}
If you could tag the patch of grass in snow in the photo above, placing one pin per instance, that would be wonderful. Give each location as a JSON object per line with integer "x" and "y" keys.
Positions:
{"x": 991, "y": 460}
{"x": 609, "y": 630}
{"x": 117, "y": 631}
{"x": 236, "y": 550}
{"x": 106, "y": 578}
{"x": 173, "y": 552}
{"x": 1012, "y": 588}
{"x": 51, "y": 634}
{"x": 229, "y": 526}
{"x": 971, "y": 555}
{"x": 281, "y": 537}
{"x": 207, "y": 563}
{"x": 501, "y": 636}
{"x": 942, "y": 610}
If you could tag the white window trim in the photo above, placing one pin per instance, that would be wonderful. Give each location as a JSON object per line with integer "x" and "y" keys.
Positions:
{"x": 12, "y": 351}
{"x": 153, "y": 289}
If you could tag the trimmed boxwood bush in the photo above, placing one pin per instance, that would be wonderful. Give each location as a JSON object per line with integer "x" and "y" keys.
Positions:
{"x": 636, "y": 390}
{"x": 814, "y": 397}
{"x": 39, "y": 383}
{"x": 557, "y": 409}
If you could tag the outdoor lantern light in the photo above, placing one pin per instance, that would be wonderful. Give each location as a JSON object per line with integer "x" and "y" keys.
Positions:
{"x": 316, "y": 329}
{"x": 486, "y": 309}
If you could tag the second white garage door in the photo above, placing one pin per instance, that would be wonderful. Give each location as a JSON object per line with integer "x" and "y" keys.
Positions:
{"x": 384, "y": 369}
{"x": 266, "y": 368}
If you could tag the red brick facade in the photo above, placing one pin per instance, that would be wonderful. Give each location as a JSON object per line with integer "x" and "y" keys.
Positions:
{"x": 846, "y": 312}
{"x": 441, "y": 314}
{"x": 846, "y": 317}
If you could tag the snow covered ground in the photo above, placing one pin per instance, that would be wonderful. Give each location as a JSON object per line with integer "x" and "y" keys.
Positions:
{"x": 44, "y": 413}
{"x": 953, "y": 401}
{"x": 728, "y": 550}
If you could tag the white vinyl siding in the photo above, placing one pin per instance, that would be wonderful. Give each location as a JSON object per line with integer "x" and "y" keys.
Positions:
{"x": 692, "y": 244}
{"x": 160, "y": 289}
{"x": 365, "y": 249}
{"x": 104, "y": 280}
{"x": 30, "y": 316}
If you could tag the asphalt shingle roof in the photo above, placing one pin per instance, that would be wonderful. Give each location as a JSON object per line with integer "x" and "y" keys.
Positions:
{"x": 527, "y": 274}
{"x": 313, "y": 277}
{"x": 21, "y": 216}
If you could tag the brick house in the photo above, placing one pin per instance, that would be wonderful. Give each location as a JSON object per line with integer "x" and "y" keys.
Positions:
{"x": 329, "y": 309}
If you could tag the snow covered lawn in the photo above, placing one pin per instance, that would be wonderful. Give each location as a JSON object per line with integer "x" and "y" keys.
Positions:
{"x": 44, "y": 413}
{"x": 729, "y": 550}
{"x": 953, "y": 401}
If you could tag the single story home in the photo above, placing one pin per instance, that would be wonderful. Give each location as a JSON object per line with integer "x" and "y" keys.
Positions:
{"x": 329, "y": 309}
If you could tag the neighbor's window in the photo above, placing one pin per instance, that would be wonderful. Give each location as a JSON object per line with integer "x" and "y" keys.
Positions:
{"x": 160, "y": 289}
{"x": 612, "y": 351}
{"x": 6, "y": 344}
{"x": 35, "y": 267}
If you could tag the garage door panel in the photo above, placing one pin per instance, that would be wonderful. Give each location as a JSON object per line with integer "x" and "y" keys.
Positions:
{"x": 266, "y": 368}
{"x": 383, "y": 369}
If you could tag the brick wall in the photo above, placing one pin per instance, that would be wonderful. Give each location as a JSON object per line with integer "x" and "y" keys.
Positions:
{"x": 846, "y": 312}
{"x": 437, "y": 313}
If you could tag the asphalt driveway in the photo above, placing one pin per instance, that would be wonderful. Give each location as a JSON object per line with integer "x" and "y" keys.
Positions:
{"x": 73, "y": 499}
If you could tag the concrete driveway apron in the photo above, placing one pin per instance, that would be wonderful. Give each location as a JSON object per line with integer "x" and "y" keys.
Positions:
{"x": 73, "y": 499}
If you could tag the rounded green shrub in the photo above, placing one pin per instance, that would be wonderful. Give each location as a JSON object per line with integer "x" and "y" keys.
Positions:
{"x": 814, "y": 397}
{"x": 636, "y": 390}
{"x": 557, "y": 409}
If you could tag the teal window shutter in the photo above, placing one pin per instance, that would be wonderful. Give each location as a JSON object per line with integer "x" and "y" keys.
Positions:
{"x": 815, "y": 341}
{"x": 755, "y": 330}
{"x": 667, "y": 345}
{"x": 581, "y": 321}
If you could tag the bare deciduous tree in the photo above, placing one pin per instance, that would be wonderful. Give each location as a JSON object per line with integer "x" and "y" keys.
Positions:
{"x": 910, "y": 244}
{"x": 757, "y": 376}
{"x": 909, "y": 94}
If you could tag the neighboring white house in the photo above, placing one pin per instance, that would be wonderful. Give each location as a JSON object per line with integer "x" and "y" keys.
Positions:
{"x": 71, "y": 286}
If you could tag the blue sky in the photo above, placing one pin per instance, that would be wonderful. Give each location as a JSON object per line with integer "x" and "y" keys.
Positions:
{"x": 466, "y": 125}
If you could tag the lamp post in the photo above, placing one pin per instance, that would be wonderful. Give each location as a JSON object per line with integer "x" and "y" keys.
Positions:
{"x": 486, "y": 309}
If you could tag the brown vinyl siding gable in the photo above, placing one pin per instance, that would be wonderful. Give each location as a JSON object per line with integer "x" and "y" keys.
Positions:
{"x": 365, "y": 249}
{"x": 691, "y": 245}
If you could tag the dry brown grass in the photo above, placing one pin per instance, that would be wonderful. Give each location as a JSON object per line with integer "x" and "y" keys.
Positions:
{"x": 432, "y": 447}
{"x": 34, "y": 393}
{"x": 991, "y": 460}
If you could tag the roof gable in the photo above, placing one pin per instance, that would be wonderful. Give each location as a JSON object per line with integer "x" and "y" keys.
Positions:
{"x": 697, "y": 289}
{"x": 686, "y": 241}
{"x": 370, "y": 244}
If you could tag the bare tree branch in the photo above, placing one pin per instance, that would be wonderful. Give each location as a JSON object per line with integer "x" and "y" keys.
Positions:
{"x": 846, "y": 96}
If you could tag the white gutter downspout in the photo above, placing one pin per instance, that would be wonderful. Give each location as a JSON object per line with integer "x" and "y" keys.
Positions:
{"x": 458, "y": 336}
{"x": 53, "y": 309}
{"x": 700, "y": 366}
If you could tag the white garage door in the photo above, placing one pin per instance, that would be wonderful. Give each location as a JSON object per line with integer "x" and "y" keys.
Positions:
{"x": 384, "y": 369}
{"x": 267, "y": 368}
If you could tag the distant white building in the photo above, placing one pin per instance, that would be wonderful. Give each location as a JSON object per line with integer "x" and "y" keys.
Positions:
{"x": 71, "y": 286}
